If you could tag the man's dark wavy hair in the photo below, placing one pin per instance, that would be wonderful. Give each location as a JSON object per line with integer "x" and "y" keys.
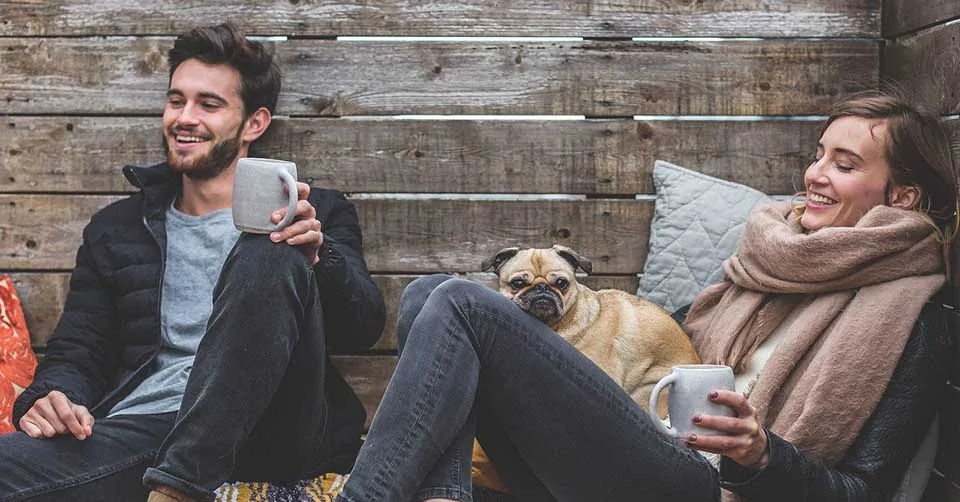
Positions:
{"x": 224, "y": 44}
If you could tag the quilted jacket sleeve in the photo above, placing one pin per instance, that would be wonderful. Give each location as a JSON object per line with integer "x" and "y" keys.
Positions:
{"x": 353, "y": 306}
{"x": 82, "y": 357}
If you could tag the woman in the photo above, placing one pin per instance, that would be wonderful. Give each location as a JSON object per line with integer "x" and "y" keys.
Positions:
{"x": 832, "y": 299}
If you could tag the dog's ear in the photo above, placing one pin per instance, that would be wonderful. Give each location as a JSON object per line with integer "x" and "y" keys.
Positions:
{"x": 574, "y": 258}
{"x": 496, "y": 261}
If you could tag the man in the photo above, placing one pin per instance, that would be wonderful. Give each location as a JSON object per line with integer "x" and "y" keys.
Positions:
{"x": 189, "y": 354}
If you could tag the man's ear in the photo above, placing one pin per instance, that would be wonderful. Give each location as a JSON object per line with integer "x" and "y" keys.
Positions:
{"x": 256, "y": 124}
{"x": 907, "y": 197}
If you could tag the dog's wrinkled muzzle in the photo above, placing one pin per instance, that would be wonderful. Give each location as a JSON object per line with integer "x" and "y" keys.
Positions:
{"x": 543, "y": 303}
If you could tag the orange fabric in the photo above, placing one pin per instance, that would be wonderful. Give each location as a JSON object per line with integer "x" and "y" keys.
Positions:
{"x": 483, "y": 473}
{"x": 17, "y": 361}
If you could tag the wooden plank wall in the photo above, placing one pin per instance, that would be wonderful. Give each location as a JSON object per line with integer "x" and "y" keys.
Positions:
{"x": 82, "y": 85}
{"x": 922, "y": 57}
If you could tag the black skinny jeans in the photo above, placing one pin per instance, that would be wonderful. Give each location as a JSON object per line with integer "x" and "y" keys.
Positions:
{"x": 254, "y": 407}
{"x": 555, "y": 425}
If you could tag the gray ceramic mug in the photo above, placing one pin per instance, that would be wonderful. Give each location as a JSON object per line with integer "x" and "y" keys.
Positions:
{"x": 690, "y": 386}
{"x": 258, "y": 191}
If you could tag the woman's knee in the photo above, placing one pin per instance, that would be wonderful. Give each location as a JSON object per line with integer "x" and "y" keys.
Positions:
{"x": 417, "y": 292}
{"x": 412, "y": 299}
{"x": 463, "y": 292}
{"x": 443, "y": 293}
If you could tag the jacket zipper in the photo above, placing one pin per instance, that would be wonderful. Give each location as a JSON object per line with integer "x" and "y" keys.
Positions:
{"x": 163, "y": 265}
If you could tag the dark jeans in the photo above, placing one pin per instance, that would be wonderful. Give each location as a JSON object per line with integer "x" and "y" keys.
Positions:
{"x": 554, "y": 424}
{"x": 254, "y": 407}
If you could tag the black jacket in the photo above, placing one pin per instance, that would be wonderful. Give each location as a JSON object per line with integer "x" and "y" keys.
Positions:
{"x": 109, "y": 333}
{"x": 873, "y": 467}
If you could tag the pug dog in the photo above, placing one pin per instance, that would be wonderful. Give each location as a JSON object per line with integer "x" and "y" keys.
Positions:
{"x": 633, "y": 340}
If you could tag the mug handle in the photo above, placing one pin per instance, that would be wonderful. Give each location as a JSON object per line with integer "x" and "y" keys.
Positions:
{"x": 655, "y": 396}
{"x": 292, "y": 203}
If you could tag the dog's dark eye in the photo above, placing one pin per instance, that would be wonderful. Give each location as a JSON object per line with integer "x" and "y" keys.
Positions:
{"x": 518, "y": 283}
{"x": 561, "y": 283}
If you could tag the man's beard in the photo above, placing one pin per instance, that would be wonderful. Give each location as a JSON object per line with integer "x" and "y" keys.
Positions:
{"x": 208, "y": 166}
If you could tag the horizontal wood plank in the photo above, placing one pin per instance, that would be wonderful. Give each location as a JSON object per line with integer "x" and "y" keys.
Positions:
{"x": 335, "y": 78}
{"x": 406, "y": 236}
{"x": 927, "y": 67}
{"x": 42, "y": 295}
{"x": 953, "y": 128}
{"x": 752, "y": 18}
{"x": 63, "y": 154}
{"x": 368, "y": 376}
{"x": 904, "y": 16}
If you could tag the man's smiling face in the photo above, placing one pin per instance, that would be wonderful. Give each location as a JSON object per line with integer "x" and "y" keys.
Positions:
{"x": 203, "y": 119}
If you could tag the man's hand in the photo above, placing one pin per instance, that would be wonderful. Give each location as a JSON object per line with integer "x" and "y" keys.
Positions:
{"x": 54, "y": 415}
{"x": 304, "y": 232}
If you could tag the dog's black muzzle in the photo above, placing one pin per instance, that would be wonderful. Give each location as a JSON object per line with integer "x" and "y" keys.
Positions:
{"x": 543, "y": 303}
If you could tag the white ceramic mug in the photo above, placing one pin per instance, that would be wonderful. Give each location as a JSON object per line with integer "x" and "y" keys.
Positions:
{"x": 690, "y": 386}
{"x": 258, "y": 191}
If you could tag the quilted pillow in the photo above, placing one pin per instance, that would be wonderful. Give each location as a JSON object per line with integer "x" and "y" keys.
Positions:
{"x": 17, "y": 362}
{"x": 696, "y": 225}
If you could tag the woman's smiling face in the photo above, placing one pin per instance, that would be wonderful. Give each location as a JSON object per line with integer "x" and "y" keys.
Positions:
{"x": 850, "y": 175}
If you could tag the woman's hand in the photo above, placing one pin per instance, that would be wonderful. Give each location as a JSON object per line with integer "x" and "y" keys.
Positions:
{"x": 744, "y": 442}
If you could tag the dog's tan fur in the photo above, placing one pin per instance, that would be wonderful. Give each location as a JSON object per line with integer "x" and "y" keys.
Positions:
{"x": 633, "y": 340}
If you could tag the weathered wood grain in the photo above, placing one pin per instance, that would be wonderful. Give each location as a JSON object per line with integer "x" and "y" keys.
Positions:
{"x": 43, "y": 294}
{"x": 368, "y": 376}
{"x": 42, "y": 231}
{"x": 400, "y": 236}
{"x": 751, "y": 18}
{"x": 331, "y": 78}
{"x": 904, "y": 16}
{"x": 84, "y": 154}
{"x": 927, "y": 67}
{"x": 953, "y": 128}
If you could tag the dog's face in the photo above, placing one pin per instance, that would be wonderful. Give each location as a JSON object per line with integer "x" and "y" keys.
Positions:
{"x": 541, "y": 281}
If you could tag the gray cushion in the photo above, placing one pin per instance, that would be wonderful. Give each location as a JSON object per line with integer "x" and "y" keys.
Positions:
{"x": 696, "y": 225}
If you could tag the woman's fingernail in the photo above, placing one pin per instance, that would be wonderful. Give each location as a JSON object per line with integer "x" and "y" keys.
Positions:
{"x": 697, "y": 419}
{"x": 692, "y": 438}
{"x": 714, "y": 394}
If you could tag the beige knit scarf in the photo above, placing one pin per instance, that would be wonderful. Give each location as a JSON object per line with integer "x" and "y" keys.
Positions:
{"x": 860, "y": 290}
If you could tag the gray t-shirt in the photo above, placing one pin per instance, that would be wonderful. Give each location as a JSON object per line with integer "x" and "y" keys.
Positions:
{"x": 197, "y": 246}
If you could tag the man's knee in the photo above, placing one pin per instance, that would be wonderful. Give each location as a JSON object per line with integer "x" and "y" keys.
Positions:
{"x": 256, "y": 256}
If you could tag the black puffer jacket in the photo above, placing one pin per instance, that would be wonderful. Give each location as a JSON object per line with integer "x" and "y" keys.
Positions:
{"x": 873, "y": 467}
{"x": 109, "y": 332}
